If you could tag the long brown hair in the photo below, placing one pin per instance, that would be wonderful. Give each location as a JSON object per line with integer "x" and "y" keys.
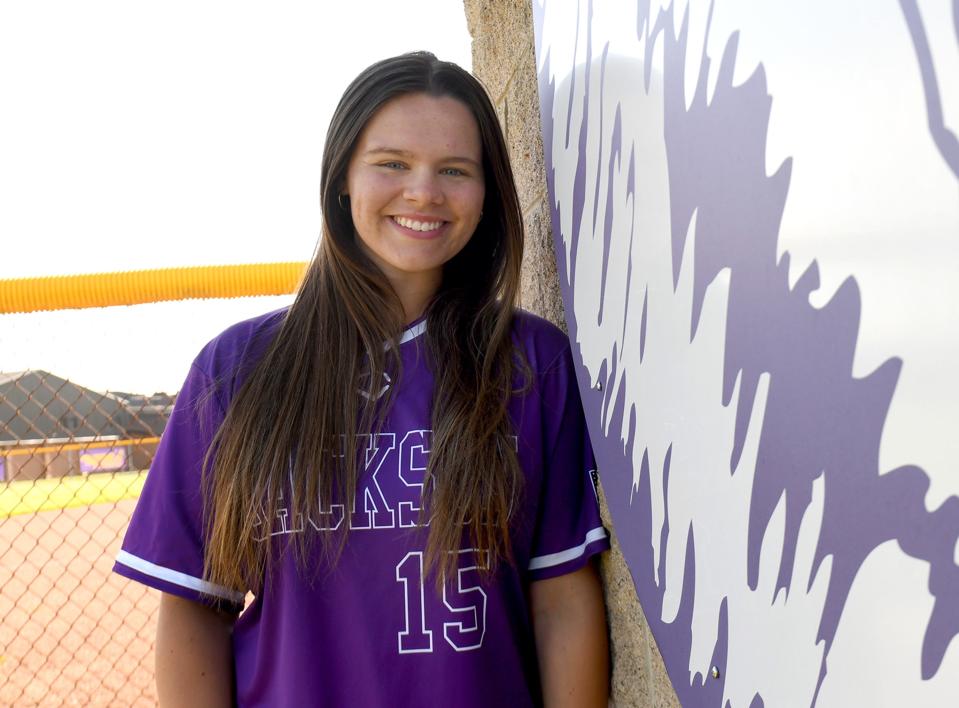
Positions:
{"x": 278, "y": 435}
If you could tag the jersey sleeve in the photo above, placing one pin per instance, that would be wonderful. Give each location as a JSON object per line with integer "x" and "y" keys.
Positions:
{"x": 163, "y": 546}
{"x": 568, "y": 530}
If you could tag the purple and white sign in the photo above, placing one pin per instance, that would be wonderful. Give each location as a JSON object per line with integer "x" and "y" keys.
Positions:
{"x": 103, "y": 459}
{"x": 756, "y": 215}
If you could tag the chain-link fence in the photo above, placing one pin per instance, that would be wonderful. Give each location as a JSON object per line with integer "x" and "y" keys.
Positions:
{"x": 72, "y": 462}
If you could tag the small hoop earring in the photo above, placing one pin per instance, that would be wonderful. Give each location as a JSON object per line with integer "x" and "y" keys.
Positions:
{"x": 339, "y": 198}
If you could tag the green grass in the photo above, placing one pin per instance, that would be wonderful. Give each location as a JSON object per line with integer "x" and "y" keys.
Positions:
{"x": 29, "y": 497}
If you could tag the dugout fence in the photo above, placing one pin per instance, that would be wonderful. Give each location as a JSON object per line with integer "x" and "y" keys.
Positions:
{"x": 73, "y": 460}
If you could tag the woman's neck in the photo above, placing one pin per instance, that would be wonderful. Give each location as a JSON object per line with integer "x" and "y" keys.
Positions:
{"x": 414, "y": 294}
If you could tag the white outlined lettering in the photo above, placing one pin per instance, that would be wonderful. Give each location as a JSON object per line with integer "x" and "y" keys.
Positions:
{"x": 467, "y": 600}
{"x": 414, "y": 638}
{"x": 375, "y": 512}
{"x": 412, "y": 463}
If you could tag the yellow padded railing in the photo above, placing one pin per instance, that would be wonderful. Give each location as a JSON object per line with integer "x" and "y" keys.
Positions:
{"x": 70, "y": 292}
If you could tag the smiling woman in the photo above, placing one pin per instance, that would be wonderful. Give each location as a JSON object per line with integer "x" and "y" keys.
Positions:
{"x": 399, "y": 460}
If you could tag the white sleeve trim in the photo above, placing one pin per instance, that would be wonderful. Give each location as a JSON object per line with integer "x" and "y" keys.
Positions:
{"x": 178, "y": 578}
{"x": 569, "y": 554}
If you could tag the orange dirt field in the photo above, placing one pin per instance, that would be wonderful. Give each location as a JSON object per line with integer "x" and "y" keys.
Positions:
{"x": 71, "y": 632}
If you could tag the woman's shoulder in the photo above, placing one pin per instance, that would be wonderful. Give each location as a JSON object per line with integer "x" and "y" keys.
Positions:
{"x": 240, "y": 345}
{"x": 543, "y": 343}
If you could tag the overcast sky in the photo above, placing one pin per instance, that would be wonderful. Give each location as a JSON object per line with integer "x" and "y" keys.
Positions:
{"x": 142, "y": 135}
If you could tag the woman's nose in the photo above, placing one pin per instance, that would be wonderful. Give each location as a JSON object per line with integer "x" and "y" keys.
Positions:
{"x": 423, "y": 188}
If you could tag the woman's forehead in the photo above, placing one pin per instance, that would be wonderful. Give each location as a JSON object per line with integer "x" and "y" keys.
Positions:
{"x": 419, "y": 122}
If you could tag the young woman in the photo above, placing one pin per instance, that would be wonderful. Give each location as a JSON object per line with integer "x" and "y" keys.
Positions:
{"x": 396, "y": 466}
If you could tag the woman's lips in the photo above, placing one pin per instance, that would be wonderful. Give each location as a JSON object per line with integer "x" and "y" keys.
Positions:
{"x": 419, "y": 228}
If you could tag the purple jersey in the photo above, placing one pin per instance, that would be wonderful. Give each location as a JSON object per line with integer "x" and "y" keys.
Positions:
{"x": 374, "y": 631}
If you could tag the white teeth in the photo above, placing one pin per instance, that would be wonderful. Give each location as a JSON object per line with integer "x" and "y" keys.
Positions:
{"x": 417, "y": 225}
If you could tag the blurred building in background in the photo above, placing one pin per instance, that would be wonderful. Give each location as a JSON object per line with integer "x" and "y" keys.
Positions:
{"x": 51, "y": 427}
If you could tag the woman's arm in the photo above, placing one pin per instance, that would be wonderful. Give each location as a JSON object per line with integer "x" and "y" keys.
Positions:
{"x": 194, "y": 655}
{"x": 569, "y": 622}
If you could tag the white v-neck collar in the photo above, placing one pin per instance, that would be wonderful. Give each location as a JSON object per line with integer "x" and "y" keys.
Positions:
{"x": 413, "y": 331}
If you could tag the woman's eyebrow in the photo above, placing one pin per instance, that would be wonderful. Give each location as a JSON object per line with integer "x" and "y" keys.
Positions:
{"x": 408, "y": 154}
{"x": 389, "y": 151}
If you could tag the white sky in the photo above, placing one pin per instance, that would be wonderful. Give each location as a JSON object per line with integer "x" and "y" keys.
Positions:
{"x": 143, "y": 135}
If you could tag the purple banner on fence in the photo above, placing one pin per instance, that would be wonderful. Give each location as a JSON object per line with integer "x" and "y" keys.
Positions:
{"x": 103, "y": 459}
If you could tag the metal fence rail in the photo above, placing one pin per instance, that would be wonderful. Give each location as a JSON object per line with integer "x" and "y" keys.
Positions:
{"x": 72, "y": 462}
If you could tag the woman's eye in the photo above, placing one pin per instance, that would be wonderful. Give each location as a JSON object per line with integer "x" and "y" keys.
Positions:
{"x": 453, "y": 172}
{"x": 393, "y": 165}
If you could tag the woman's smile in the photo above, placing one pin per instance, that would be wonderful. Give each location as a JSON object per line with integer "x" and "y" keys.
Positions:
{"x": 420, "y": 227}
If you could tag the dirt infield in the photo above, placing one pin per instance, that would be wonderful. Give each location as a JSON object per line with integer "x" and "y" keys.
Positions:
{"x": 71, "y": 632}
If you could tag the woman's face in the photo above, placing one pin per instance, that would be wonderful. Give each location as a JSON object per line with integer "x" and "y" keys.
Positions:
{"x": 415, "y": 183}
